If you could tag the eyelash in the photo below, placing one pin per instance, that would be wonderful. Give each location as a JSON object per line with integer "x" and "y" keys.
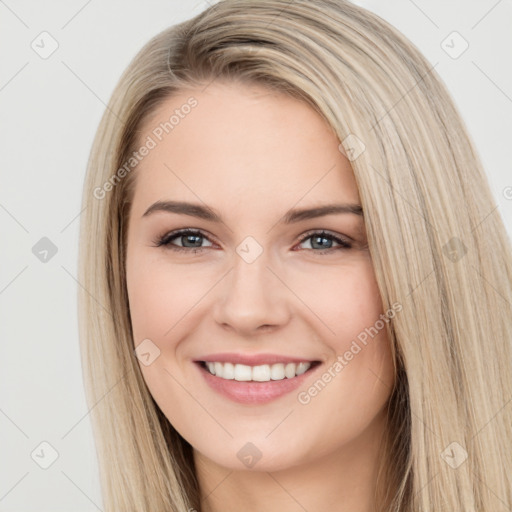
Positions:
{"x": 165, "y": 241}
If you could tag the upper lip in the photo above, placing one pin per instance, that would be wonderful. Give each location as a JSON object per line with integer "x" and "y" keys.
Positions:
{"x": 252, "y": 359}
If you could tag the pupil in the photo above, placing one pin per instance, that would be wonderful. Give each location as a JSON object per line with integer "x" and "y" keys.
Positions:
{"x": 316, "y": 238}
{"x": 193, "y": 239}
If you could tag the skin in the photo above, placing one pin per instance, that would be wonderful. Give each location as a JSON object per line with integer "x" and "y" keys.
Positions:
{"x": 251, "y": 155}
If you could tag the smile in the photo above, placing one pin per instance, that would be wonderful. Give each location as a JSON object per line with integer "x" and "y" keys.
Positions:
{"x": 259, "y": 373}
{"x": 256, "y": 383}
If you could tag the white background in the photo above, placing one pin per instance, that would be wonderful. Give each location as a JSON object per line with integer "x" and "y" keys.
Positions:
{"x": 50, "y": 109}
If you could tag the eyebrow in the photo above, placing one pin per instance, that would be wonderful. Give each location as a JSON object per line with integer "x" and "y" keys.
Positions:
{"x": 290, "y": 217}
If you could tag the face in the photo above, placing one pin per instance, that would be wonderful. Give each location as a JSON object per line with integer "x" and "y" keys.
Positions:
{"x": 227, "y": 273}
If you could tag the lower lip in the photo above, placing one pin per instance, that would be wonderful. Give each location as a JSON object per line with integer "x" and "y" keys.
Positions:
{"x": 253, "y": 392}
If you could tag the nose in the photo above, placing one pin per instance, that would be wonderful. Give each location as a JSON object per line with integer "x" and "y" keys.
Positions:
{"x": 251, "y": 299}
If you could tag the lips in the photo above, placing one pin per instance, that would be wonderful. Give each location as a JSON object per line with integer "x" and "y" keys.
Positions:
{"x": 254, "y": 378}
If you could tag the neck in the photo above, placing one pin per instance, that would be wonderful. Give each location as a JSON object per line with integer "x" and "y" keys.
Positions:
{"x": 345, "y": 480}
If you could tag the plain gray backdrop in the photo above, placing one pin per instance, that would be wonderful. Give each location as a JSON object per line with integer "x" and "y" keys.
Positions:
{"x": 60, "y": 63}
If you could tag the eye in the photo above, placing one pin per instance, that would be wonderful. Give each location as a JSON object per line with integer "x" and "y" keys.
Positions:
{"x": 190, "y": 240}
{"x": 321, "y": 241}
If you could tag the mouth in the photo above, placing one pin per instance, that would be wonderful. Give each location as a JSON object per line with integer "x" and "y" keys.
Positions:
{"x": 254, "y": 384}
{"x": 257, "y": 373}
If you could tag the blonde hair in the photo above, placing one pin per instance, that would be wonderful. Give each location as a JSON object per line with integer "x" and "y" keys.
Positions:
{"x": 437, "y": 246}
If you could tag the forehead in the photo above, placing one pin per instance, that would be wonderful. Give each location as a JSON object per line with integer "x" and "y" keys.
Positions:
{"x": 244, "y": 143}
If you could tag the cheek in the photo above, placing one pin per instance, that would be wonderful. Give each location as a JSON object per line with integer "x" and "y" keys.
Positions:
{"x": 360, "y": 372}
{"x": 160, "y": 296}
{"x": 161, "y": 300}
{"x": 346, "y": 300}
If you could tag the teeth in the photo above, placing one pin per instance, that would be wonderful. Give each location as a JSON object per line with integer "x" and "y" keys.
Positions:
{"x": 260, "y": 373}
{"x": 277, "y": 371}
{"x": 228, "y": 371}
{"x": 301, "y": 368}
{"x": 289, "y": 370}
{"x": 242, "y": 372}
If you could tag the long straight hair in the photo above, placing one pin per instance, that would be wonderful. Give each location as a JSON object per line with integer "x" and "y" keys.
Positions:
{"x": 437, "y": 245}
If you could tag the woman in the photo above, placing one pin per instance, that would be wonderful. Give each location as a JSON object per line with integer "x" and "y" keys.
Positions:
{"x": 290, "y": 299}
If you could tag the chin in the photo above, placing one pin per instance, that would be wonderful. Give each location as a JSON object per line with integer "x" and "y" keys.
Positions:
{"x": 258, "y": 456}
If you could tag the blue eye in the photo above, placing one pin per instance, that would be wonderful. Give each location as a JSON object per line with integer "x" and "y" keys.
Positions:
{"x": 323, "y": 241}
{"x": 191, "y": 241}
